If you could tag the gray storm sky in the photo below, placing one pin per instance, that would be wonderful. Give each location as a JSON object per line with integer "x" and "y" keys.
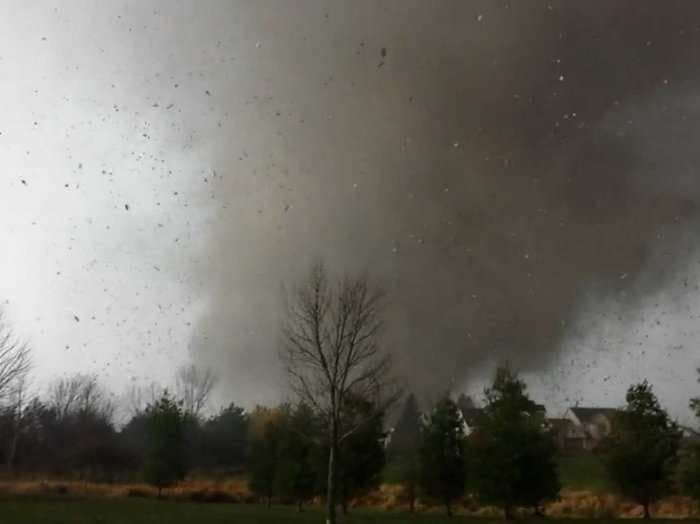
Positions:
{"x": 521, "y": 178}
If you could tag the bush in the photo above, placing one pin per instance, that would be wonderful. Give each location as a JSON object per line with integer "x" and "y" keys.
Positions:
{"x": 53, "y": 489}
{"x": 138, "y": 492}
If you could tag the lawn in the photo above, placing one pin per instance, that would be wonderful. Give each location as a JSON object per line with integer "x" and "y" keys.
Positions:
{"x": 583, "y": 472}
{"x": 577, "y": 472}
{"x": 72, "y": 510}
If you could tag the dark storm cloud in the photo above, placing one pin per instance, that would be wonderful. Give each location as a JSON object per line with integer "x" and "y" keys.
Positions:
{"x": 493, "y": 164}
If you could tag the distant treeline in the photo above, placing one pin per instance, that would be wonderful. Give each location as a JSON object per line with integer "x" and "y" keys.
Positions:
{"x": 509, "y": 461}
{"x": 333, "y": 440}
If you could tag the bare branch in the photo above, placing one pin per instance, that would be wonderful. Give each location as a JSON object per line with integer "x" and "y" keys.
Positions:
{"x": 331, "y": 342}
{"x": 193, "y": 387}
{"x": 15, "y": 359}
{"x": 80, "y": 394}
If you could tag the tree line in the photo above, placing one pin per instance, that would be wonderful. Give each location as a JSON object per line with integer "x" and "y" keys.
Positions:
{"x": 331, "y": 440}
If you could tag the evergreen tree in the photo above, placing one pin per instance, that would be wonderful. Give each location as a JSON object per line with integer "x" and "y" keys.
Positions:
{"x": 226, "y": 438}
{"x": 404, "y": 449}
{"x": 512, "y": 456}
{"x": 642, "y": 448}
{"x": 442, "y": 454}
{"x": 296, "y": 476}
{"x": 164, "y": 461}
{"x": 689, "y": 467}
{"x": 264, "y": 458}
{"x": 361, "y": 455}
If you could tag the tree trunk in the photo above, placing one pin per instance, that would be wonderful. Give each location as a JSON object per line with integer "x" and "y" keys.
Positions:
{"x": 269, "y": 501}
{"x": 11, "y": 454}
{"x": 160, "y": 492}
{"x": 508, "y": 512}
{"x": 411, "y": 498}
{"x": 330, "y": 494}
{"x": 299, "y": 503}
{"x": 449, "y": 508}
{"x": 647, "y": 513}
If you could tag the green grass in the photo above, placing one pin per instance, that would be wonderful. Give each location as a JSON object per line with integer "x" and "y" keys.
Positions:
{"x": 583, "y": 472}
{"x": 71, "y": 510}
{"x": 578, "y": 472}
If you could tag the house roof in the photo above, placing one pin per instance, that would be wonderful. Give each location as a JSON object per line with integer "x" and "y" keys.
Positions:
{"x": 472, "y": 416}
{"x": 566, "y": 427}
{"x": 587, "y": 415}
{"x": 559, "y": 423}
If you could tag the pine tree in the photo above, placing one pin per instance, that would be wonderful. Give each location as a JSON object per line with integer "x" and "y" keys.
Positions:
{"x": 361, "y": 455}
{"x": 642, "y": 448}
{"x": 165, "y": 457}
{"x": 264, "y": 458}
{"x": 296, "y": 476}
{"x": 404, "y": 449}
{"x": 512, "y": 456}
{"x": 442, "y": 454}
{"x": 689, "y": 456}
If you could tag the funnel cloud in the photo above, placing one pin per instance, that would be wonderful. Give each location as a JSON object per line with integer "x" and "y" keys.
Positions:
{"x": 499, "y": 166}
{"x": 521, "y": 178}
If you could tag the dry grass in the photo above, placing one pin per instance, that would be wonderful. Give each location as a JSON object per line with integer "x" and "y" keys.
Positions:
{"x": 574, "y": 504}
{"x": 196, "y": 489}
{"x": 390, "y": 497}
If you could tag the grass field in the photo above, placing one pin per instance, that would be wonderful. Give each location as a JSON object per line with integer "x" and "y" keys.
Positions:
{"x": 583, "y": 472}
{"x": 577, "y": 472}
{"x": 70, "y": 510}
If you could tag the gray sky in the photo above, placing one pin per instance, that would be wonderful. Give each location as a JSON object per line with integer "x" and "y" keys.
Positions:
{"x": 521, "y": 177}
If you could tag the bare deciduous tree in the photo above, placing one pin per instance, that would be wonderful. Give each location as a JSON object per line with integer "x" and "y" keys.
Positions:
{"x": 80, "y": 394}
{"x": 15, "y": 359}
{"x": 331, "y": 353}
{"x": 17, "y": 406}
{"x": 138, "y": 397}
{"x": 193, "y": 387}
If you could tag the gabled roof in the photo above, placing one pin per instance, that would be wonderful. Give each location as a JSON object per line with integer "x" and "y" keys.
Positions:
{"x": 566, "y": 427}
{"x": 559, "y": 423}
{"x": 587, "y": 415}
{"x": 472, "y": 416}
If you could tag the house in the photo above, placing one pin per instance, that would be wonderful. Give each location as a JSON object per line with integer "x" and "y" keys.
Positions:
{"x": 405, "y": 434}
{"x": 471, "y": 418}
{"x": 595, "y": 423}
{"x": 568, "y": 437}
{"x": 472, "y": 415}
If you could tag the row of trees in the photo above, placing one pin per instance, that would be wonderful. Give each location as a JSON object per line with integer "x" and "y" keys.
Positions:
{"x": 71, "y": 430}
{"x": 289, "y": 455}
{"x": 331, "y": 440}
{"x": 332, "y": 355}
{"x": 330, "y": 350}
{"x": 510, "y": 459}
